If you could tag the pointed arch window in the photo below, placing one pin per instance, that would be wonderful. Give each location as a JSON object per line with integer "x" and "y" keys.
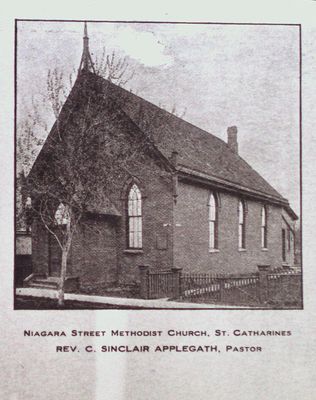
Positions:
{"x": 134, "y": 212}
{"x": 264, "y": 228}
{"x": 61, "y": 215}
{"x": 213, "y": 222}
{"x": 241, "y": 225}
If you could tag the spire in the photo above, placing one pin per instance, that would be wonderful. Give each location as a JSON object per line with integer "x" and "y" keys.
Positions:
{"x": 86, "y": 63}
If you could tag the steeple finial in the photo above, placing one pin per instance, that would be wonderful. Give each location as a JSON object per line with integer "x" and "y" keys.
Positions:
{"x": 86, "y": 63}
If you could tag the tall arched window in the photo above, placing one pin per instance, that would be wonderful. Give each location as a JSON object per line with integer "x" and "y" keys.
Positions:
{"x": 241, "y": 225}
{"x": 264, "y": 228}
{"x": 134, "y": 211}
{"x": 283, "y": 245}
{"x": 213, "y": 222}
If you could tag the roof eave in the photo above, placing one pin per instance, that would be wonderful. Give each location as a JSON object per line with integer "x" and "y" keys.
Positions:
{"x": 199, "y": 177}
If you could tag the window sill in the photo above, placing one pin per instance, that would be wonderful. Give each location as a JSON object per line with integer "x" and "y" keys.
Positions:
{"x": 133, "y": 251}
{"x": 242, "y": 250}
{"x": 214, "y": 251}
{"x": 264, "y": 249}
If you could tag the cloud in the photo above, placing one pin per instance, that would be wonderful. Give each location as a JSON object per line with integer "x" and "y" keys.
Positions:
{"x": 144, "y": 47}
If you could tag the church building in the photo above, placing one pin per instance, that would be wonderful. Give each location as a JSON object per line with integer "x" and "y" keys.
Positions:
{"x": 170, "y": 194}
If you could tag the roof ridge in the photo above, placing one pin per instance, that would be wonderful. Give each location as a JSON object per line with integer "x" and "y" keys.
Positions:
{"x": 197, "y": 148}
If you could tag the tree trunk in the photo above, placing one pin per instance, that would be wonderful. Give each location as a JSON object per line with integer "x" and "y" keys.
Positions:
{"x": 64, "y": 256}
{"x": 61, "y": 291}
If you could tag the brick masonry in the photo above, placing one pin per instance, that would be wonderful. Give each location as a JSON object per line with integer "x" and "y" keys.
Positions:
{"x": 192, "y": 231}
{"x": 100, "y": 256}
{"x": 287, "y": 225}
{"x": 39, "y": 248}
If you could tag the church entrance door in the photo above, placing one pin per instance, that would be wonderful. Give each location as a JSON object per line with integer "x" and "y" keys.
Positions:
{"x": 54, "y": 251}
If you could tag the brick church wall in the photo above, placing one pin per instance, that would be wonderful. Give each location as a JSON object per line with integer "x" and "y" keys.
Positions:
{"x": 288, "y": 226}
{"x": 157, "y": 211}
{"x": 39, "y": 248}
{"x": 192, "y": 234}
{"x": 94, "y": 254}
{"x": 99, "y": 253}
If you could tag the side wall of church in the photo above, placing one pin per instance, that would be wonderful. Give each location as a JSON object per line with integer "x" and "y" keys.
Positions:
{"x": 192, "y": 250}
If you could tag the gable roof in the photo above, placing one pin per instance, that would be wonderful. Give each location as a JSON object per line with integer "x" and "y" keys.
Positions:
{"x": 199, "y": 152}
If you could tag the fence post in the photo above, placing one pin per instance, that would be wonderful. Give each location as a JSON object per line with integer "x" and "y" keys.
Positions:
{"x": 177, "y": 291}
{"x": 263, "y": 283}
{"x": 144, "y": 281}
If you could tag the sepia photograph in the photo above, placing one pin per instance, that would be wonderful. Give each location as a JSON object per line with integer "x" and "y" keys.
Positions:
{"x": 157, "y": 203}
{"x": 157, "y": 165}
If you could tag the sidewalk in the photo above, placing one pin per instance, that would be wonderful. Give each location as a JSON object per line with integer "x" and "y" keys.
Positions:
{"x": 121, "y": 302}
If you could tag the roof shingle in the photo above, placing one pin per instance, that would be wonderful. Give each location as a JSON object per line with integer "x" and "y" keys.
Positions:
{"x": 197, "y": 149}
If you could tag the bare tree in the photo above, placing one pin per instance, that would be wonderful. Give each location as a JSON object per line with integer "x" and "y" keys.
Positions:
{"x": 32, "y": 128}
{"x": 114, "y": 68}
{"x": 59, "y": 191}
{"x": 80, "y": 167}
{"x": 31, "y": 131}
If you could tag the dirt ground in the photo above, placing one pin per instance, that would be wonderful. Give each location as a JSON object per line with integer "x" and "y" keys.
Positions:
{"x": 38, "y": 303}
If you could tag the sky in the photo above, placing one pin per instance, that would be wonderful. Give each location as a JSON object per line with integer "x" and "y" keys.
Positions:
{"x": 215, "y": 75}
